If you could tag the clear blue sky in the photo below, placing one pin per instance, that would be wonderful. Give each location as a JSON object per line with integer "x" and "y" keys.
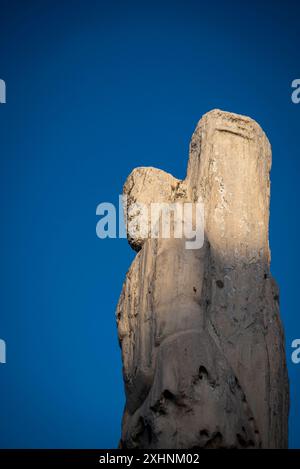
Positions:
{"x": 94, "y": 89}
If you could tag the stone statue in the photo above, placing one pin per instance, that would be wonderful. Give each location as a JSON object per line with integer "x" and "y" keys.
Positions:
{"x": 200, "y": 332}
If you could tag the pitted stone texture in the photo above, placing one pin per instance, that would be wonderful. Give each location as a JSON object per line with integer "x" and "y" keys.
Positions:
{"x": 202, "y": 342}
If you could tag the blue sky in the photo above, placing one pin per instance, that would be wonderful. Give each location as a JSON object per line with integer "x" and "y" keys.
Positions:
{"x": 94, "y": 89}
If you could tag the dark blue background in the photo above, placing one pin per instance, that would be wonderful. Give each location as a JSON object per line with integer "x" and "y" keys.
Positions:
{"x": 95, "y": 89}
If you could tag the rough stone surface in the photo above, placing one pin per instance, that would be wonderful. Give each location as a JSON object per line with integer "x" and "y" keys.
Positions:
{"x": 200, "y": 332}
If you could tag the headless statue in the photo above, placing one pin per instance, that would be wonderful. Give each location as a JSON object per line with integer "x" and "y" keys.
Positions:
{"x": 200, "y": 332}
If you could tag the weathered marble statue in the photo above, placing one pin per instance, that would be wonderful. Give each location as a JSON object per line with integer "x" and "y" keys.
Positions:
{"x": 202, "y": 342}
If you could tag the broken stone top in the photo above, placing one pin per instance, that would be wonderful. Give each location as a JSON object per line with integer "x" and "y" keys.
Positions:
{"x": 228, "y": 154}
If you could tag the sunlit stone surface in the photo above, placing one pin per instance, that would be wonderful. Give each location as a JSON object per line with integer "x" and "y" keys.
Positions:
{"x": 200, "y": 332}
